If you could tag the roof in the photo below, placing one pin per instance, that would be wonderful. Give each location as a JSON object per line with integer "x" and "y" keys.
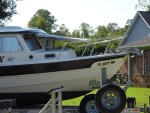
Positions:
{"x": 140, "y": 43}
{"x": 17, "y": 29}
{"x": 37, "y": 32}
{"x": 145, "y": 16}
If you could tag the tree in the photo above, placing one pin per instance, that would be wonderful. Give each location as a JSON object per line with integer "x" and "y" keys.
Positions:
{"x": 62, "y": 31}
{"x": 129, "y": 21}
{"x": 40, "y": 23}
{"x": 86, "y": 30}
{"x": 121, "y": 31}
{"x": 76, "y": 33}
{"x": 44, "y": 20}
{"x": 101, "y": 31}
{"x": 112, "y": 29}
{"x": 144, "y": 4}
{"x": 7, "y": 10}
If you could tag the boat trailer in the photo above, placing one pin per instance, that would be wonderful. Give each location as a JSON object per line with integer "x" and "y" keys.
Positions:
{"x": 50, "y": 107}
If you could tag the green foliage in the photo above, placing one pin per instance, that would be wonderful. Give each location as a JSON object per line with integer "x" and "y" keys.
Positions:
{"x": 85, "y": 50}
{"x": 113, "y": 29}
{"x": 44, "y": 20}
{"x": 74, "y": 46}
{"x": 76, "y": 33}
{"x": 38, "y": 22}
{"x": 7, "y": 9}
{"x": 86, "y": 30}
{"x": 101, "y": 31}
{"x": 62, "y": 31}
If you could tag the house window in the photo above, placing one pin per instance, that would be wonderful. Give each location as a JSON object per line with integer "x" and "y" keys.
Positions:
{"x": 9, "y": 44}
{"x": 147, "y": 62}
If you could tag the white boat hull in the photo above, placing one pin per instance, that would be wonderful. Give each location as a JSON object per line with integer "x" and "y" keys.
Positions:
{"x": 72, "y": 80}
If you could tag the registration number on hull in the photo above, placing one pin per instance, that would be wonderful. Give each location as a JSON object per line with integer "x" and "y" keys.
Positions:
{"x": 106, "y": 63}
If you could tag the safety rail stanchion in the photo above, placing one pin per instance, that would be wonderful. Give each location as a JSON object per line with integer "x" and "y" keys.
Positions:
{"x": 51, "y": 104}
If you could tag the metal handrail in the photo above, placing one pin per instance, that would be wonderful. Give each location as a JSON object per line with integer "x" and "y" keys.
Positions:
{"x": 88, "y": 44}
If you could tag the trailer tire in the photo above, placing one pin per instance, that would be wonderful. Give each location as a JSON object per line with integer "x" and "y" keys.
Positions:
{"x": 110, "y": 99}
{"x": 88, "y": 105}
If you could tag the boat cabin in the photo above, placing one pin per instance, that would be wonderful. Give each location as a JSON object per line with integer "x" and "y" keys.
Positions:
{"x": 25, "y": 45}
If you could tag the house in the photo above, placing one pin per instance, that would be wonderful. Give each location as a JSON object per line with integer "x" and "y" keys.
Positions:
{"x": 138, "y": 36}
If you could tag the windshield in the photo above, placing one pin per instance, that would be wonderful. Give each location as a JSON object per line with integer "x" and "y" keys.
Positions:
{"x": 32, "y": 42}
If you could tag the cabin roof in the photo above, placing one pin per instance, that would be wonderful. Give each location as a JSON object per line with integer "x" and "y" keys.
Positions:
{"x": 37, "y": 32}
{"x": 17, "y": 29}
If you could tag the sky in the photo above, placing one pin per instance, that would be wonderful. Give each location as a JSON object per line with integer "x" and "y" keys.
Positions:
{"x": 74, "y": 12}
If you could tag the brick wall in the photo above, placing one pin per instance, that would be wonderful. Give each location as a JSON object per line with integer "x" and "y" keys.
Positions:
{"x": 136, "y": 66}
{"x": 141, "y": 80}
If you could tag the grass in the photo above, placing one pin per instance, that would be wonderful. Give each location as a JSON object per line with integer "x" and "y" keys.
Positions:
{"x": 75, "y": 101}
{"x": 141, "y": 95}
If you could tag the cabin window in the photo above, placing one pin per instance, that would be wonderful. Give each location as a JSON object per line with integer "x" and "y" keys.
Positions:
{"x": 32, "y": 42}
{"x": 9, "y": 44}
{"x": 48, "y": 43}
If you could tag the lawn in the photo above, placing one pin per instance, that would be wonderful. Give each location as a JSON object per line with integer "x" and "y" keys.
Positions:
{"x": 141, "y": 95}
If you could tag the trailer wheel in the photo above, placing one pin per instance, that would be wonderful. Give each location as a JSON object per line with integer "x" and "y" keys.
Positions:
{"x": 110, "y": 99}
{"x": 88, "y": 104}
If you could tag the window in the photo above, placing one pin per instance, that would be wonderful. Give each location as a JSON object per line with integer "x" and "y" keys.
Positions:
{"x": 32, "y": 42}
{"x": 48, "y": 43}
{"x": 147, "y": 62}
{"x": 9, "y": 44}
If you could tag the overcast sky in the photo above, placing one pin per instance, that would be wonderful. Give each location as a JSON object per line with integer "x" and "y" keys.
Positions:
{"x": 73, "y": 12}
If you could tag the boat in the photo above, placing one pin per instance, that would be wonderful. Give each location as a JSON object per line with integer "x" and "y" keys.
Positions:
{"x": 30, "y": 65}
